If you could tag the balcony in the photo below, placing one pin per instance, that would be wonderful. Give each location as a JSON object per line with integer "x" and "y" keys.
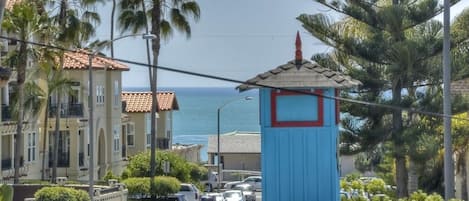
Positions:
{"x": 6, "y": 113}
{"x": 81, "y": 159}
{"x": 6, "y": 164}
{"x": 162, "y": 143}
{"x": 64, "y": 160}
{"x": 67, "y": 110}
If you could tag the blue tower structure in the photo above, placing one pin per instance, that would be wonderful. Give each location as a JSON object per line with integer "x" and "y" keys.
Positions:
{"x": 299, "y": 120}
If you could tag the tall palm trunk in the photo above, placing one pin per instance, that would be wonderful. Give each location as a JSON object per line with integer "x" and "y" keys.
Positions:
{"x": 21, "y": 74}
{"x": 45, "y": 133}
{"x": 56, "y": 137}
{"x": 113, "y": 11}
{"x": 155, "y": 29}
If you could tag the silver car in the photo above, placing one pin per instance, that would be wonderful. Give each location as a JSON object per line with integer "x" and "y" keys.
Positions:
{"x": 249, "y": 191}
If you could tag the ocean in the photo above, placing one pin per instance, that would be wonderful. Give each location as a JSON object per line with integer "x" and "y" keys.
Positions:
{"x": 196, "y": 118}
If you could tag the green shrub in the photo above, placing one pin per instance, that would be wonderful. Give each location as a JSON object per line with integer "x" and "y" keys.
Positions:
{"x": 61, "y": 194}
{"x": 197, "y": 172}
{"x": 6, "y": 193}
{"x": 140, "y": 186}
{"x": 375, "y": 186}
{"x": 166, "y": 185}
{"x": 109, "y": 175}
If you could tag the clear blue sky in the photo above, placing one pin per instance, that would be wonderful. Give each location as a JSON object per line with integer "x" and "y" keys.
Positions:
{"x": 237, "y": 39}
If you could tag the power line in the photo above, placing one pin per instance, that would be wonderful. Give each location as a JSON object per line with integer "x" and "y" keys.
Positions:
{"x": 192, "y": 73}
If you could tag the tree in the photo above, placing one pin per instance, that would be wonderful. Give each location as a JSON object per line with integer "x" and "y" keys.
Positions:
{"x": 24, "y": 21}
{"x": 75, "y": 20}
{"x": 56, "y": 83}
{"x": 393, "y": 55}
{"x": 174, "y": 16}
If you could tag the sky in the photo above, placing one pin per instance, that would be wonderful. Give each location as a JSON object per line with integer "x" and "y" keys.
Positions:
{"x": 236, "y": 39}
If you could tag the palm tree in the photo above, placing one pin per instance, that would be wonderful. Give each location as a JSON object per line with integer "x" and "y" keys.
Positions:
{"x": 165, "y": 16}
{"x": 24, "y": 21}
{"x": 75, "y": 21}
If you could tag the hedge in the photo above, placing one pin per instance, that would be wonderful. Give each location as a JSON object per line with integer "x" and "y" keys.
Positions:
{"x": 61, "y": 194}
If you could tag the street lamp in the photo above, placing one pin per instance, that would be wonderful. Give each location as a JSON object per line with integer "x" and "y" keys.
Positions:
{"x": 91, "y": 102}
{"x": 218, "y": 136}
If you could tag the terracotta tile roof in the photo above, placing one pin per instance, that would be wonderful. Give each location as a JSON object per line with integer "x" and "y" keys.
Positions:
{"x": 79, "y": 61}
{"x": 141, "y": 101}
{"x": 306, "y": 74}
{"x": 460, "y": 86}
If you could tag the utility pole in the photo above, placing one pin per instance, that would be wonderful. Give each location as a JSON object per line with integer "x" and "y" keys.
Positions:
{"x": 448, "y": 157}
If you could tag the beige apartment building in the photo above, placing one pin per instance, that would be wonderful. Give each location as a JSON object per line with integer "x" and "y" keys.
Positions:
{"x": 137, "y": 106}
{"x": 110, "y": 124}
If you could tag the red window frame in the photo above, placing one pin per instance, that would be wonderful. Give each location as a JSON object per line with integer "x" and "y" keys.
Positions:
{"x": 273, "y": 109}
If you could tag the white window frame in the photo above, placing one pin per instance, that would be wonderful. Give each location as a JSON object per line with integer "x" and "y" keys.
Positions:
{"x": 31, "y": 147}
{"x": 130, "y": 133}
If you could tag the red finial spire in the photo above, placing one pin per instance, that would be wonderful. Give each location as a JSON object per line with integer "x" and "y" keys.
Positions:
{"x": 298, "y": 53}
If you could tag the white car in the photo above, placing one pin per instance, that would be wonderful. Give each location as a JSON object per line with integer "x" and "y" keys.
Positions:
{"x": 190, "y": 192}
{"x": 255, "y": 181}
{"x": 233, "y": 195}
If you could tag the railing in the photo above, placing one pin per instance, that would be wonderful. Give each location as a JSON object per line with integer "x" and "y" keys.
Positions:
{"x": 81, "y": 159}
{"x": 6, "y": 113}
{"x": 67, "y": 110}
{"x": 162, "y": 143}
{"x": 64, "y": 160}
{"x": 6, "y": 164}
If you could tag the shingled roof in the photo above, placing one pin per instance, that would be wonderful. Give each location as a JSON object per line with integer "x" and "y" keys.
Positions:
{"x": 79, "y": 60}
{"x": 300, "y": 73}
{"x": 235, "y": 142}
{"x": 306, "y": 74}
{"x": 140, "y": 102}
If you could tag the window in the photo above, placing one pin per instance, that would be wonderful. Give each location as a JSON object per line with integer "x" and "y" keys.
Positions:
{"x": 130, "y": 135}
{"x": 99, "y": 94}
{"x": 63, "y": 148}
{"x": 31, "y": 147}
{"x": 116, "y": 139}
{"x": 116, "y": 93}
{"x": 148, "y": 128}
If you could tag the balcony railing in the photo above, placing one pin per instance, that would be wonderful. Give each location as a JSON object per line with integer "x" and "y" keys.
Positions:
{"x": 67, "y": 110}
{"x": 81, "y": 159}
{"x": 6, "y": 164}
{"x": 162, "y": 143}
{"x": 64, "y": 160}
{"x": 6, "y": 113}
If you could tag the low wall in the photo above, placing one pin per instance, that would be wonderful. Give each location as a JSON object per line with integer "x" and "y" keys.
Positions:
{"x": 25, "y": 192}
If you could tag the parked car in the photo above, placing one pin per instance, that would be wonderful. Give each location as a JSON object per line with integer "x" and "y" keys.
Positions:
{"x": 233, "y": 195}
{"x": 248, "y": 191}
{"x": 255, "y": 181}
{"x": 175, "y": 197}
{"x": 212, "y": 197}
{"x": 190, "y": 191}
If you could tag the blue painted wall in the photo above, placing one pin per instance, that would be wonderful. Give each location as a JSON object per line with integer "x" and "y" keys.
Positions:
{"x": 299, "y": 163}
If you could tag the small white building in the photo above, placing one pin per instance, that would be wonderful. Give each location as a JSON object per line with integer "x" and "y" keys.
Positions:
{"x": 238, "y": 150}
